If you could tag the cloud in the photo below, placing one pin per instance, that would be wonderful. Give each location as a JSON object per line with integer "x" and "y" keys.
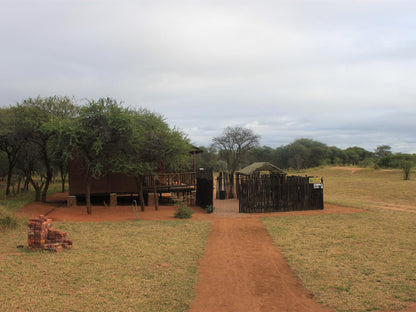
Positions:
{"x": 337, "y": 71}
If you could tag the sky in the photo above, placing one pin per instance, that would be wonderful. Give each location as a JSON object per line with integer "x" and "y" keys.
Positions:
{"x": 341, "y": 72}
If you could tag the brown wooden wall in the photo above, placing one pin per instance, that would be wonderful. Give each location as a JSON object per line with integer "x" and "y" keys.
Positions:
{"x": 112, "y": 183}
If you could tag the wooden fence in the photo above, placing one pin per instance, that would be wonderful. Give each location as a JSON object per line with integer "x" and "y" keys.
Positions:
{"x": 225, "y": 186}
{"x": 272, "y": 193}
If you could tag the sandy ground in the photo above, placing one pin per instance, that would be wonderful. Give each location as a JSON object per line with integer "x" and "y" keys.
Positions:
{"x": 242, "y": 270}
{"x": 56, "y": 209}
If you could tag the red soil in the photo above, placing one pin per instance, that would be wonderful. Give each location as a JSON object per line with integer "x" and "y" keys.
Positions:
{"x": 242, "y": 270}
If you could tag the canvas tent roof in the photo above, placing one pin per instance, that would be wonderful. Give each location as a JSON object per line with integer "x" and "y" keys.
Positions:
{"x": 260, "y": 166}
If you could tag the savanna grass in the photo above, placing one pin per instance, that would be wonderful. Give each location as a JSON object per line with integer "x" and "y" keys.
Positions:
{"x": 366, "y": 187}
{"x": 14, "y": 202}
{"x": 355, "y": 262}
{"x": 120, "y": 266}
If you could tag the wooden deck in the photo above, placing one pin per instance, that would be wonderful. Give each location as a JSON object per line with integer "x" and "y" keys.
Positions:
{"x": 123, "y": 184}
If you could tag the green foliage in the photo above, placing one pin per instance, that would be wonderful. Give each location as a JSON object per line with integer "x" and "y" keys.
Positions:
{"x": 210, "y": 209}
{"x": 399, "y": 161}
{"x": 382, "y": 151}
{"x": 182, "y": 210}
{"x": 407, "y": 166}
{"x": 208, "y": 158}
{"x": 102, "y": 129}
{"x": 29, "y": 137}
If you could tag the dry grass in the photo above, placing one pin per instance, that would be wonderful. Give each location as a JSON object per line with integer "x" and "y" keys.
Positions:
{"x": 120, "y": 266}
{"x": 356, "y": 262}
{"x": 366, "y": 187}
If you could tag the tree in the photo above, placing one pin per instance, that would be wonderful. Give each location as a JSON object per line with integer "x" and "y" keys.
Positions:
{"x": 233, "y": 145}
{"x": 36, "y": 131}
{"x": 60, "y": 143}
{"x": 307, "y": 153}
{"x": 356, "y": 155}
{"x": 407, "y": 166}
{"x": 10, "y": 142}
{"x": 261, "y": 154}
{"x": 4, "y": 165}
{"x": 382, "y": 151}
{"x": 208, "y": 158}
{"x": 153, "y": 147}
{"x": 335, "y": 155}
{"x": 99, "y": 139}
{"x": 282, "y": 157}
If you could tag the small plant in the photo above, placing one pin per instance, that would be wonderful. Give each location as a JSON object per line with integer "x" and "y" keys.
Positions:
{"x": 210, "y": 209}
{"x": 7, "y": 221}
{"x": 183, "y": 212}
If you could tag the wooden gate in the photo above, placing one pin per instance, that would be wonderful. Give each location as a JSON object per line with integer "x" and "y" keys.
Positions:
{"x": 272, "y": 193}
{"x": 204, "y": 188}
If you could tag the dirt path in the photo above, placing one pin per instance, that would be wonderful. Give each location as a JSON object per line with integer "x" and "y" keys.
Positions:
{"x": 243, "y": 270}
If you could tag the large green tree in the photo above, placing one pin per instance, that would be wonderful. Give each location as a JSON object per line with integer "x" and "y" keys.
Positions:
{"x": 306, "y": 153}
{"x": 36, "y": 131}
{"x": 99, "y": 138}
{"x": 153, "y": 146}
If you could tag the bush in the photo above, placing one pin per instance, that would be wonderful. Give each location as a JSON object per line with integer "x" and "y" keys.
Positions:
{"x": 7, "y": 221}
{"x": 183, "y": 212}
{"x": 210, "y": 209}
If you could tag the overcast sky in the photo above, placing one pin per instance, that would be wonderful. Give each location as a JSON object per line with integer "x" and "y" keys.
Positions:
{"x": 338, "y": 71}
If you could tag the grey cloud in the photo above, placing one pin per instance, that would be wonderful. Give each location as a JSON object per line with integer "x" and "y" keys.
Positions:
{"x": 337, "y": 71}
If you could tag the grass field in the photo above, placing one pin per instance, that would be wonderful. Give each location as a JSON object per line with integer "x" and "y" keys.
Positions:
{"x": 120, "y": 266}
{"x": 366, "y": 187}
{"x": 356, "y": 262}
{"x": 113, "y": 266}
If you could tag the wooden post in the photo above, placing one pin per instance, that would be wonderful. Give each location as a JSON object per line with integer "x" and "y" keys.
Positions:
{"x": 156, "y": 199}
{"x": 71, "y": 201}
{"x": 113, "y": 200}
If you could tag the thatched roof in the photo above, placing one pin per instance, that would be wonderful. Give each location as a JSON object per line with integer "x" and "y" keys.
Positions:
{"x": 260, "y": 166}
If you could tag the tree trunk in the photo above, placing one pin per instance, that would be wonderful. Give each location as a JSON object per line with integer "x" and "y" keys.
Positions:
{"x": 88, "y": 196}
{"x": 19, "y": 181}
{"x": 63, "y": 173}
{"x": 26, "y": 185}
{"x": 9, "y": 180}
{"x": 139, "y": 181}
{"x": 37, "y": 188}
{"x": 49, "y": 176}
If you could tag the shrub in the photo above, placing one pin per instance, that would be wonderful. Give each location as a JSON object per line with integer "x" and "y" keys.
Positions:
{"x": 7, "y": 221}
{"x": 210, "y": 209}
{"x": 183, "y": 212}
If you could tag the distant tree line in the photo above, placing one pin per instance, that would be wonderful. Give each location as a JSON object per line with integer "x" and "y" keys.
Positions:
{"x": 40, "y": 135}
{"x": 306, "y": 153}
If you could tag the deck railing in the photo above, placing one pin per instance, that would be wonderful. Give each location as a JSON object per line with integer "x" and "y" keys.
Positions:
{"x": 166, "y": 180}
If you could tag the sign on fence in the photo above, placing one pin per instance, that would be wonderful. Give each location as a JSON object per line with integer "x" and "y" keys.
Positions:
{"x": 315, "y": 180}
